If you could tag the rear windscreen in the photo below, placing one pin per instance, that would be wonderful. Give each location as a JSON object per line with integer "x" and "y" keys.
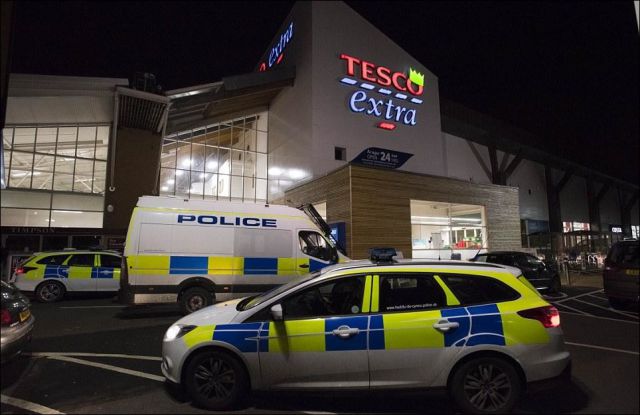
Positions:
{"x": 627, "y": 254}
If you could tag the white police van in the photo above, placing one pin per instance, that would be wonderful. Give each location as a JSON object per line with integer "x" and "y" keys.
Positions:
{"x": 197, "y": 252}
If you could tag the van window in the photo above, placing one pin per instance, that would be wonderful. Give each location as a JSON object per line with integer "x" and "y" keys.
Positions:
{"x": 263, "y": 243}
{"x": 314, "y": 245}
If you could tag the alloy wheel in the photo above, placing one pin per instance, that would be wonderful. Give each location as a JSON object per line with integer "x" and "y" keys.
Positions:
{"x": 487, "y": 387}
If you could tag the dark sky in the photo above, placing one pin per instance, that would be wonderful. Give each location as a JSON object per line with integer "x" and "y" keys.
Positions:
{"x": 567, "y": 72}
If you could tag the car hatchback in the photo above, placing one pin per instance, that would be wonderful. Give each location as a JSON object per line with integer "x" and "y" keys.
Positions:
{"x": 480, "y": 330}
{"x": 621, "y": 275}
{"x": 49, "y": 275}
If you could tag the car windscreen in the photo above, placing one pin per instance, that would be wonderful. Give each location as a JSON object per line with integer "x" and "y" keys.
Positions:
{"x": 251, "y": 302}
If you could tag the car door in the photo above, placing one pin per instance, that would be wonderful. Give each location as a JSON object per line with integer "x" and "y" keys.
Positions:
{"x": 408, "y": 329}
{"x": 315, "y": 252}
{"x": 107, "y": 274}
{"x": 322, "y": 340}
{"x": 80, "y": 272}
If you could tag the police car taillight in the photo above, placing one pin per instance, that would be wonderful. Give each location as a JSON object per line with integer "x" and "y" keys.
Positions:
{"x": 23, "y": 270}
{"x": 6, "y": 317}
{"x": 548, "y": 315}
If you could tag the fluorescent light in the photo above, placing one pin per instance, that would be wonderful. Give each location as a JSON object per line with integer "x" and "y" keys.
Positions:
{"x": 296, "y": 174}
{"x": 179, "y": 173}
{"x": 186, "y": 162}
{"x": 275, "y": 171}
{"x": 212, "y": 165}
{"x": 164, "y": 188}
{"x": 171, "y": 181}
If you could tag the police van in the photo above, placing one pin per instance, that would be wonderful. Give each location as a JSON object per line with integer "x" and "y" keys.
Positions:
{"x": 197, "y": 252}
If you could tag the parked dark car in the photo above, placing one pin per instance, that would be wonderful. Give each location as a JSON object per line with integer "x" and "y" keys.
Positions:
{"x": 621, "y": 275}
{"x": 17, "y": 321}
{"x": 541, "y": 275}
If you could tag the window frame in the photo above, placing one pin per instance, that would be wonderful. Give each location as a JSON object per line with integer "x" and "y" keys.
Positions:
{"x": 444, "y": 276}
{"x": 431, "y": 275}
{"x": 109, "y": 255}
{"x": 40, "y": 261}
{"x": 331, "y": 249}
{"x": 71, "y": 256}
{"x": 282, "y": 300}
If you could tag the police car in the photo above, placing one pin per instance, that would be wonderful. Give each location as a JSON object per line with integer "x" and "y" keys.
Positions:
{"x": 49, "y": 275}
{"x": 480, "y": 330}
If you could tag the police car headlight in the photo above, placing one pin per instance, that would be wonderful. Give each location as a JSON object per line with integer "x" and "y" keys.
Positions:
{"x": 176, "y": 331}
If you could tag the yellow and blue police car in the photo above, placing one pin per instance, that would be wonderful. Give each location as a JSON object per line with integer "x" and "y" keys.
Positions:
{"x": 480, "y": 330}
{"x": 49, "y": 275}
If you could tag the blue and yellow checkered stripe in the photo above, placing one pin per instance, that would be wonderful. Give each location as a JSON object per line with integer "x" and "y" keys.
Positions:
{"x": 478, "y": 325}
{"x": 219, "y": 265}
{"x": 69, "y": 272}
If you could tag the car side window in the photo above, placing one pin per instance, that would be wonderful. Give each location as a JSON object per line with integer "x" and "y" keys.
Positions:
{"x": 53, "y": 260}
{"x": 110, "y": 261}
{"x": 314, "y": 244}
{"x": 406, "y": 292}
{"x": 474, "y": 289}
{"x": 81, "y": 260}
{"x": 627, "y": 254}
{"x": 481, "y": 258}
{"x": 341, "y": 296}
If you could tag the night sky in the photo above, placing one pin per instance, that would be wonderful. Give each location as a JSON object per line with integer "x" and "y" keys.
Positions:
{"x": 567, "y": 72}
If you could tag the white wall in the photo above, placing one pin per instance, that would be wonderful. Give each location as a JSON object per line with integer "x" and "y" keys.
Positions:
{"x": 338, "y": 29}
{"x": 461, "y": 163}
{"x": 529, "y": 178}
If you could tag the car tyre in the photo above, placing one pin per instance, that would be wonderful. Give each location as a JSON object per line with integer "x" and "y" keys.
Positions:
{"x": 486, "y": 385}
{"x": 216, "y": 380}
{"x": 195, "y": 298}
{"x": 50, "y": 292}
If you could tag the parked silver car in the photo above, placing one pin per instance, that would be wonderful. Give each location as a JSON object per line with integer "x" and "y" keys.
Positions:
{"x": 17, "y": 321}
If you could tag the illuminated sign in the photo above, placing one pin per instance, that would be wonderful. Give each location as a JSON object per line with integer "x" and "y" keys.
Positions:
{"x": 276, "y": 54}
{"x": 399, "y": 91}
{"x": 615, "y": 228}
{"x": 381, "y": 157}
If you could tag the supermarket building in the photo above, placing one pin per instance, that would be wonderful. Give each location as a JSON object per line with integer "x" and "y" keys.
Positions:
{"x": 335, "y": 114}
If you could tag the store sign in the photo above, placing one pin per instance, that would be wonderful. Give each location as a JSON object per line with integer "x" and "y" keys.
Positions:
{"x": 392, "y": 96}
{"x": 277, "y": 52}
{"x": 381, "y": 157}
{"x": 615, "y": 228}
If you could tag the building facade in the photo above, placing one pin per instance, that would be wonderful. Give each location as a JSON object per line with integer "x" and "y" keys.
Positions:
{"x": 335, "y": 114}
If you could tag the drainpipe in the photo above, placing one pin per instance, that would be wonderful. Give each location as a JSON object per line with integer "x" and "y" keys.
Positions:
{"x": 114, "y": 134}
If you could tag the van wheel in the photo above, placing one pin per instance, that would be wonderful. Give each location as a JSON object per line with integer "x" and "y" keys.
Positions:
{"x": 485, "y": 385}
{"x": 216, "y": 380}
{"x": 195, "y": 298}
{"x": 50, "y": 292}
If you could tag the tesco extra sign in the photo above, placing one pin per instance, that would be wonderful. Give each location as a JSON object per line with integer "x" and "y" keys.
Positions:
{"x": 390, "y": 95}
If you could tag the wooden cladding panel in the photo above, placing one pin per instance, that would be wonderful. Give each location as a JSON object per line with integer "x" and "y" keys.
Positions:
{"x": 335, "y": 190}
{"x": 375, "y": 205}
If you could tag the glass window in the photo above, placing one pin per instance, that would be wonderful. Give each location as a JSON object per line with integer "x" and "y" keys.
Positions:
{"x": 476, "y": 290}
{"x": 86, "y": 142}
{"x": 110, "y": 261}
{"x": 342, "y": 296}
{"x": 219, "y": 161}
{"x": 315, "y": 245}
{"x": 81, "y": 260}
{"x": 53, "y": 260}
{"x": 410, "y": 293}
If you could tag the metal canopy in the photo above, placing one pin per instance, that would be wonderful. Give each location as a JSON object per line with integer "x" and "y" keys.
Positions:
{"x": 191, "y": 107}
{"x": 482, "y": 129}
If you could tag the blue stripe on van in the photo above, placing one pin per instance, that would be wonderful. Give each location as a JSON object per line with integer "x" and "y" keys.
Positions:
{"x": 188, "y": 265}
{"x": 261, "y": 266}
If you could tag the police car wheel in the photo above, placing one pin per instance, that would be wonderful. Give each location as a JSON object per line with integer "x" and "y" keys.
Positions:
{"x": 485, "y": 385}
{"x": 216, "y": 380}
{"x": 193, "y": 299}
{"x": 49, "y": 292}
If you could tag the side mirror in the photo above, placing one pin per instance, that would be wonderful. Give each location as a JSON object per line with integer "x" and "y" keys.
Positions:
{"x": 276, "y": 312}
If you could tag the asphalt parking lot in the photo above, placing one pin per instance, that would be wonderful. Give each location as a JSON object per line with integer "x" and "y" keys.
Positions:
{"x": 92, "y": 355}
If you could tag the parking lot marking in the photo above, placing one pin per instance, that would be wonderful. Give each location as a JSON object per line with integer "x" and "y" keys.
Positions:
{"x": 606, "y": 308}
{"x": 109, "y": 367}
{"x": 579, "y": 295}
{"x": 591, "y": 346}
{"x": 602, "y": 318}
{"x": 574, "y": 309}
{"x": 119, "y": 356}
{"x": 29, "y": 406}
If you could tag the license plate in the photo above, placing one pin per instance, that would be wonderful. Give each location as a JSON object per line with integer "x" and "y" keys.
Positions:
{"x": 635, "y": 272}
{"x": 24, "y": 315}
